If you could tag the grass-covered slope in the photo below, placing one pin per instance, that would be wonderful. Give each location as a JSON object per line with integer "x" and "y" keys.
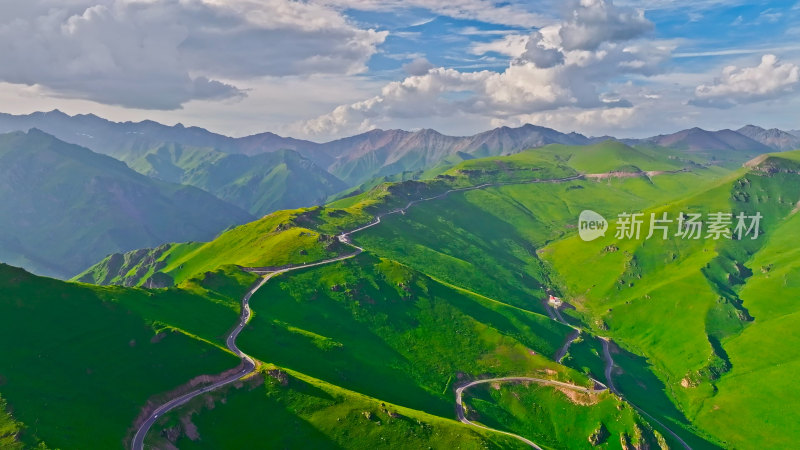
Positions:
{"x": 274, "y": 240}
{"x": 296, "y": 236}
{"x": 286, "y": 409}
{"x": 604, "y": 157}
{"x": 279, "y": 238}
{"x": 391, "y": 332}
{"x": 487, "y": 240}
{"x": 11, "y": 431}
{"x": 556, "y": 418}
{"x": 367, "y": 352}
{"x": 723, "y": 348}
{"x": 78, "y": 362}
{"x": 65, "y": 207}
{"x": 379, "y": 328}
{"x": 259, "y": 184}
{"x": 452, "y": 289}
{"x": 763, "y": 357}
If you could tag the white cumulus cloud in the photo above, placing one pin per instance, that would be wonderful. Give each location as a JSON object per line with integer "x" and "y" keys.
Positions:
{"x": 593, "y": 22}
{"x": 566, "y": 65}
{"x": 770, "y": 79}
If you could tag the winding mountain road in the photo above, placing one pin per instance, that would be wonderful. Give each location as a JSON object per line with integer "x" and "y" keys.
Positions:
{"x": 249, "y": 363}
{"x": 562, "y": 352}
{"x": 460, "y": 404}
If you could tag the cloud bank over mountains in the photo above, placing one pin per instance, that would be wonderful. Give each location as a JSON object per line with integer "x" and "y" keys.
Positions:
{"x": 323, "y": 69}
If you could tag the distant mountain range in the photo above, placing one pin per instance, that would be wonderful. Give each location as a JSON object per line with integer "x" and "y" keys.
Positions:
{"x": 357, "y": 159}
{"x": 386, "y": 152}
{"x": 64, "y": 206}
{"x": 354, "y": 159}
{"x": 721, "y": 147}
{"x": 67, "y": 207}
{"x": 773, "y": 138}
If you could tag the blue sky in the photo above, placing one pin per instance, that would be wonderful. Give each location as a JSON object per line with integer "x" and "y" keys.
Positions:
{"x": 322, "y": 69}
{"x": 705, "y": 28}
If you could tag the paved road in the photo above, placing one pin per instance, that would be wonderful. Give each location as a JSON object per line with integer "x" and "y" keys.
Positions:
{"x": 248, "y": 362}
{"x": 608, "y": 369}
{"x": 460, "y": 404}
{"x": 562, "y": 352}
{"x": 609, "y": 364}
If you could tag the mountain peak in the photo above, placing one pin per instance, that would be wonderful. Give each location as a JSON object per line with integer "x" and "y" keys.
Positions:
{"x": 428, "y": 132}
{"x": 36, "y": 132}
{"x": 57, "y": 113}
{"x": 751, "y": 127}
{"x": 774, "y": 138}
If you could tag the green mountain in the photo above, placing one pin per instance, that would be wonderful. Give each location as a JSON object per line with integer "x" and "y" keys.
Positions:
{"x": 374, "y": 348}
{"x": 85, "y": 359}
{"x": 260, "y": 184}
{"x": 354, "y": 159}
{"x": 172, "y": 153}
{"x": 64, "y": 207}
{"x": 724, "y": 348}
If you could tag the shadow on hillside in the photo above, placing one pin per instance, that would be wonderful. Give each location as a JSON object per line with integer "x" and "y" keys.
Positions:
{"x": 640, "y": 386}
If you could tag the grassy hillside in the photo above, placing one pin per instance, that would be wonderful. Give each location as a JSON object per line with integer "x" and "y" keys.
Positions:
{"x": 294, "y": 236}
{"x": 80, "y": 361}
{"x": 66, "y": 207}
{"x": 763, "y": 357}
{"x": 273, "y": 240}
{"x": 361, "y": 322}
{"x": 608, "y": 156}
{"x": 727, "y": 323}
{"x": 497, "y": 254}
{"x": 278, "y": 238}
{"x": 259, "y": 184}
{"x": 561, "y": 419}
{"x": 452, "y": 290}
{"x": 379, "y": 328}
{"x": 286, "y": 409}
{"x": 367, "y": 352}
